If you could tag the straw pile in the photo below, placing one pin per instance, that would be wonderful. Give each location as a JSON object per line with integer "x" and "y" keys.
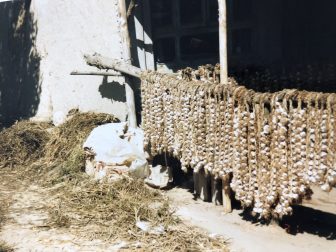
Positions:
{"x": 23, "y": 143}
{"x": 102, "y": 210}
{"x": 110, "y": 211}
{"x": 275, "y": 144}
{"x": 4, "y": 247}
{"x": 73, "y": 132}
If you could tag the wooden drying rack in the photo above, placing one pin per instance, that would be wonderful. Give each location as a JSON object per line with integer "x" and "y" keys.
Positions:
{"x": 105, "y": 63}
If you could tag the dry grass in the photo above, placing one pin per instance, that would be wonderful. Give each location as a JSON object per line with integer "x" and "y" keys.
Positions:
{"x": 4, "y": 247}
{"x": 110, "y": 211}
{"x": 106, "y": 210}
{"x": 72, "y": 134}
{"x": 64, "y": 157}
{"x": 23, "y": 143}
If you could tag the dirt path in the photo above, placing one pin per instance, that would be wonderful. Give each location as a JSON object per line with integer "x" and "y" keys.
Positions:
{"x": 26, "y": 229}
{"x": 316, "y": 230}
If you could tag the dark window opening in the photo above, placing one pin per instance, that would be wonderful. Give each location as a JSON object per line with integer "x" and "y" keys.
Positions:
{"x": 213, "y": 11}
{"x": 242, "y": 10}
{"x": 165, "y": 50}
{"x": 203, "y": 45}
{"x": 161, "y": 14}
{"x": 271, "y": 44}
{"x": 191, "y": 39}
{"x": 241, "y": 41}
{"x": 191, "y": 12}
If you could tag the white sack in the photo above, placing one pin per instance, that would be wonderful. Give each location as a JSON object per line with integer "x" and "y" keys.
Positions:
{"x": 115, "y": 147}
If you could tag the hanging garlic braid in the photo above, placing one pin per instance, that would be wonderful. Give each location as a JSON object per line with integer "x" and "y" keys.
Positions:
{"x": 275, "y": 145}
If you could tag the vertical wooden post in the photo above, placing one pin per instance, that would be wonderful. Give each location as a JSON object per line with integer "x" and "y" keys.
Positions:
{"x": 204, "y": 186}
{"x": 226, "y": 193}
{"x": 223, "y": 42}
{"x": 196, "y": 183}
{"x": 126, "y": 46}
{"x": 216, "y": 191}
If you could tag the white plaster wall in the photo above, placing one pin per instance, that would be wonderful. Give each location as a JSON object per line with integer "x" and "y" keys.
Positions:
{"x": 67, "y": 30}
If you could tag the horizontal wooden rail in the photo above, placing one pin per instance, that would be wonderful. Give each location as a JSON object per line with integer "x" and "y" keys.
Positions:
{"x": 107, "y": 63}
{"x": 94, "y": 73}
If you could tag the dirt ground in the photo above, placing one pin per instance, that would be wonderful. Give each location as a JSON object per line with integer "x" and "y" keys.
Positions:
{"x": 26, "y": 228}
{"x": 312, "y": 228}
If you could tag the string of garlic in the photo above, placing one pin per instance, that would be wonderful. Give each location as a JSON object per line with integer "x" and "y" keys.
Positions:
{"x": 236, "y": 182}
{"x": 252, "y": 156}
{"x": 262, "y": 205}
{"x": 330, "y": 176}
{"x": 283, "y": 206}
{"x": 210, "y": 139}
{"x": 217, "y": 150}
{"x": 222, "y": 120}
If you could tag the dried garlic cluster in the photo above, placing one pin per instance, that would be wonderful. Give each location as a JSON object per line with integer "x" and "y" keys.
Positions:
{"x": 275, "y": 144}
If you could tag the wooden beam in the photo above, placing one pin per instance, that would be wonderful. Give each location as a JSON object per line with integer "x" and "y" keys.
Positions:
{"x": 94, "y": 73}
{"x": 226, "y": 190}
{"x": 223, "y": 42}
{"x": 226, "y": 193}
{"x": 101, "y": 62}
{"x": 196, "y": 183}
{"x": 202, "y": 186}
{"x": 205, "y": 186}
{"x": 216, "y": 190}
{"x": 125, "y": 38}
{"x": 126, "y": 45}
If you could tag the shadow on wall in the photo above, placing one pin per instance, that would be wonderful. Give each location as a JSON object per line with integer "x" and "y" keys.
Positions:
{"x": 19, "y": 62}
{"x": 112, "y": 90}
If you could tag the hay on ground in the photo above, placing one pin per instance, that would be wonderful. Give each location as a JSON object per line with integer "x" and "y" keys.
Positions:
{"x": 23, "y": 143}
{"x": 101, "y": 209}
{"x": 64, "y": 158}
{"x": 4, "y": 247}
{"x": 110, "y": 211}
{"x": 73, "y": 133}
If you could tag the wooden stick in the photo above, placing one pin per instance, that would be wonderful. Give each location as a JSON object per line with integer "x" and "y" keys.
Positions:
{"x": 204, "y": 186}
{"x": 196, "y": 183}
{"x": 223, "y": 42}
{"x": 94, "y": 73}
{"x": 125, "y": 38}
{"x": 130, "y": 8}
{"x": 226, "y": 194}
{"x": 216, "y": 191}
{"x": 226, "y": 190}
{"x": 107, "y": 63}
{"x": 126, "y": 44}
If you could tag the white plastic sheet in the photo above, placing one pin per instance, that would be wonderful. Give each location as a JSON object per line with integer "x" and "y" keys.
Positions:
{"x": 116, "y": 149}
